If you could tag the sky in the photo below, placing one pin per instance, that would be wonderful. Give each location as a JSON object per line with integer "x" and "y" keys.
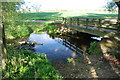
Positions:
{"x": 67, "y": 4}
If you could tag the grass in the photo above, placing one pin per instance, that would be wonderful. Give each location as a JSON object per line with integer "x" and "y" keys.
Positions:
{"x": 39, "y": 16}
{"x": 81, "y": 14}
{"x": 22, "y": 64}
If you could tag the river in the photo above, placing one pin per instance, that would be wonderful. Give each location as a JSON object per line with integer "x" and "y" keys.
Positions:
{"x": 62, "y": 47}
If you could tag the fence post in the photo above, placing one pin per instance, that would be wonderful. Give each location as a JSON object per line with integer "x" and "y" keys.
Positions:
{"x": 78, "y": 22}
{"x": 118, "y": 26}
{"x": 70, "y": 21}
{"x": 75, "y": 21}
{"x": 63, "y": 19}
{"x": 87, "y": 21}
{"x": 99, "y": 24}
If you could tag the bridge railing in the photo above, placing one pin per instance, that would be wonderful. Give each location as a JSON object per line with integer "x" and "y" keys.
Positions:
{"x": 88, "y": 22}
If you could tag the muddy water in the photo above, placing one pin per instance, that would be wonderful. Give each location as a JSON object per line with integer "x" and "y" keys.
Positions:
{"x": 62, "y": 47}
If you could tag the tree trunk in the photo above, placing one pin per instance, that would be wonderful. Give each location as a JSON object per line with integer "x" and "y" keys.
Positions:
{"x": 1, "y": 44}
{"x": 119, "y": 13}
{"x": 3, "y": 50}
{"x": 118, "y": 4}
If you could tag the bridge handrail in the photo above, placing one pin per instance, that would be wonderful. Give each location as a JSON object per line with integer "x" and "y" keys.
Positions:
{"x": 84, "y": 19}
{"x": 90, "y": 22}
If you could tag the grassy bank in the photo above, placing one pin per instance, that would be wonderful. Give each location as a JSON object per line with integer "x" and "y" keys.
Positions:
{"x": 22, "y": 29}
{"x": 16, "y": 30}
{"x": 23, "y": 63}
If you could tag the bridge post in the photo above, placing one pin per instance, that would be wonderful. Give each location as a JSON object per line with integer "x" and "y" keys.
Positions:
{"x": 75, "y": 21}
{"x": 118, "y": 25}
{"x": 63, "y": 19}
{"x": 70, "y": 21}
{"x": 87, "y": 22}
{"x": 78, "y": 22}
{"x": 93, "y": 22}
{"x": 99, "y": 24}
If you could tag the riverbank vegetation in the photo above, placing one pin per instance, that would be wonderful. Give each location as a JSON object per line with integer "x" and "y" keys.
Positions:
{"x": 24, "y": 64}
{"x": 18, "y": 63}
{"x": 22, "y": 29}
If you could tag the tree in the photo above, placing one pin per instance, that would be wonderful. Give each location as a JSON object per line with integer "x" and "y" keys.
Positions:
{"x": 112, "y": 5}
{"x": 36, "y": 7}
{"x": 9, "y": 10}
{"x": 118, "y": 4}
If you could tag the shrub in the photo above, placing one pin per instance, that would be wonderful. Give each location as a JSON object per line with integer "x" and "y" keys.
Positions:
{"x": 17, "y": 30}
{"x": 93, "y": 48}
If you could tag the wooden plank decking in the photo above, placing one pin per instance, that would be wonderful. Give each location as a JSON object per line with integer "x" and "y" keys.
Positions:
{"x": 103, "y": 26}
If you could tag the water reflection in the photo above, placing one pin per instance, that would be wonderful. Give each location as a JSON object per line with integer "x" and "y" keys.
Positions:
{"x": 61, "y": 47}
{"x": 97, "y": 38}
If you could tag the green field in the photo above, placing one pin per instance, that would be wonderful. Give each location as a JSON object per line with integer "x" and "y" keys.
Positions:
{"x": 81, "y": 14}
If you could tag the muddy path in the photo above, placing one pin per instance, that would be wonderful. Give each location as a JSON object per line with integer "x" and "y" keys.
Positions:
{"x": 101, "y": 65}
{"x": 94, "y": 66}
{"x": 36, "y": 21}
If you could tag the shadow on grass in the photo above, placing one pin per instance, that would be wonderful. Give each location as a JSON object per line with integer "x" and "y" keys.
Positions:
{"x": 39, "y": 16}
{"x": 52, "y": 15}
{"x": 95, "y": 15}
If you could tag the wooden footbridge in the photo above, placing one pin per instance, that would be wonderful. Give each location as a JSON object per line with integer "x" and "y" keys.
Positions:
{"x": 99, "y": 27}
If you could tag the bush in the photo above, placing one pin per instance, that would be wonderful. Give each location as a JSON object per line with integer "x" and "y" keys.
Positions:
{"x": 17, "y": 30}
{"x": 93, "y": 48}
{"x": 50, "y": 28}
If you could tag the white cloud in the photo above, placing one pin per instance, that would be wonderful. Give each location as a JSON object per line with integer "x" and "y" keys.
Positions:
{"x": 69, "y": 4}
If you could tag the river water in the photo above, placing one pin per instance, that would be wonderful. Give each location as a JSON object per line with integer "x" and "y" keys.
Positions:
{"x": 62, "y": 47}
